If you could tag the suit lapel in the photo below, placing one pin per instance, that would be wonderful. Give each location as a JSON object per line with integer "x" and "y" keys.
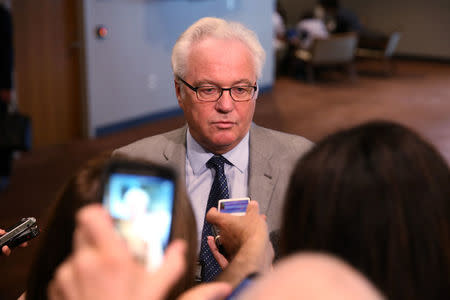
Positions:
{"x": 262, "y": 174}
{"x": 175, "y": 151}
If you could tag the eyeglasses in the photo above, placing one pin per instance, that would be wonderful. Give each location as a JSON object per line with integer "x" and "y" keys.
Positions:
{"x": 212, "y": 93}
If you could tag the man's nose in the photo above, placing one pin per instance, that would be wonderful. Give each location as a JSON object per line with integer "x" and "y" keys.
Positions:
{"x": 225, "y": 102}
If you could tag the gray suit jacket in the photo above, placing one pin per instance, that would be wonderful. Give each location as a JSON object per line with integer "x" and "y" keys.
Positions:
{"x": 273, "y": 155}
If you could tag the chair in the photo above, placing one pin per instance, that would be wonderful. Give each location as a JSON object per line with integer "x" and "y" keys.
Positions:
{"x": 384, "y": 54}
{"x": 336, "y": 50}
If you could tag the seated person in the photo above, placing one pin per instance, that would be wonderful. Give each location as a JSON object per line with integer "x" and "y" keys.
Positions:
{"x": 337, "y": 18}
{"x": 310, "y": 28}
{"x": 83, "y": 189}
{"x": 376, "y": 196}
{"x": 279, "y": 29}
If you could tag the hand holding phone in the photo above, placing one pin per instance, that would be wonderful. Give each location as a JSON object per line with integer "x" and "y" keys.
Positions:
{"x": 140, "y": 199}
{"x": 24, "y": 230}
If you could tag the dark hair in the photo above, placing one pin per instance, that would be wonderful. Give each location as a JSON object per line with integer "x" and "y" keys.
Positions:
{"x": 329, "y": 4}
{"x": 84, "y": 188}
{"x": 377, "y": 196}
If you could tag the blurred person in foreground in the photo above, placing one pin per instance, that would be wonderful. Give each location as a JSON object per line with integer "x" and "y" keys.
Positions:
{"x": 378, "y": 197}
{"x": 101, "y": 268}
{"x": 220, "y": 152}
{"x": 312, "y": 276}
{"x": 83, "y": 188}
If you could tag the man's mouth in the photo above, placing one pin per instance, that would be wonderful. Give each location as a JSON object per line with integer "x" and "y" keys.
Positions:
{"x": 223, "y": 124}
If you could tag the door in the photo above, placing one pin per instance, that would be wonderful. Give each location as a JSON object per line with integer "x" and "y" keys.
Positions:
{"x": 47, "y": 35}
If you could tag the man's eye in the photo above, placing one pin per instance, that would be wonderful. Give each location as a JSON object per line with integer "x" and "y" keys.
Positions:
{"x": 208, "y": 90}
{"x": 240, "y": 90}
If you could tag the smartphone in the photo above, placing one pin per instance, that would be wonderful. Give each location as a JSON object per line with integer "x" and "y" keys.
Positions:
{"x": 140, "y": 199}
{"x": 24, "y": 230}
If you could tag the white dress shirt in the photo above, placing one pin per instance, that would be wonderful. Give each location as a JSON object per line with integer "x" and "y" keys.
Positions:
{"x": 199, "y": 178}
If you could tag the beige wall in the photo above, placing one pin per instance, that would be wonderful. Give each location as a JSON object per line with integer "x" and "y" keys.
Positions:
{"x": 425, "y": 25}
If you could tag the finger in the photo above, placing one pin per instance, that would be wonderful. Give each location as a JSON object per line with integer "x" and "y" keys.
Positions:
{"x": 207, "y": 291}
{"x": 61, "y": 286}
{"x": 171, "y": 269}
{"x": 252, "y": 207}
{"x": 264, "y": 217}
{"x": 80, "y": 239}
{"x": 23, "y": 245}
{"x": 2, "y": 232}
{"x": 212, "y": 214}
{"x": 53, "y": 292}
{"x": 216, "y": 218}
{"x": 222, "y": 260}
{"x": 96, "y": 229}
{"x": 6, "y": 250}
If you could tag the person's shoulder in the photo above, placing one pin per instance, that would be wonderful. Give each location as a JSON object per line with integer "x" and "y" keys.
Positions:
{"x": 281, "y": 139}
{"x": 157, "y": 143}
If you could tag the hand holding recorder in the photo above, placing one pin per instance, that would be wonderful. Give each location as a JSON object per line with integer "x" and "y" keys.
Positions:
{"x": 246, "y": 241}
{"x": 19, "y": 234}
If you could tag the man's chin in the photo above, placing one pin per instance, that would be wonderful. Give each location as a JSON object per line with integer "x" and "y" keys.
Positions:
{"x": 223, "y": 144}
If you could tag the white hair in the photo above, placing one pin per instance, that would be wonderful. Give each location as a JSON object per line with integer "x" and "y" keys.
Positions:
{"x": 215, "y": 28}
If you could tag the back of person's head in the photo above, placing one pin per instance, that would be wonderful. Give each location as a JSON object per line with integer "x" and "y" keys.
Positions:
{"x": 83, "y": 188}
{"x": 376, "y": 195}
{"x": 312, "y": 276}
{"x": 218, "y": 29}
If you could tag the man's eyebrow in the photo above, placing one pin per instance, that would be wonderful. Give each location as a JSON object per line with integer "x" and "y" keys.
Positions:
{"x": 243, "y": 81}
{"x": 209, "y": 82}
{"x": 205, "y": 82}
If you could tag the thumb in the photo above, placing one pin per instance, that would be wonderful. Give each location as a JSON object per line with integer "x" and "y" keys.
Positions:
{"x": 171, "y": 270}
{"x": 253, "y": 208}
{"x": 207, "y": 291}
{"x": 213, "y": 215}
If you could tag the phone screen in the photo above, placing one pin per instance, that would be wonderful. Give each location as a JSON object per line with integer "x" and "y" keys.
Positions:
{"x": 141, "y": 206}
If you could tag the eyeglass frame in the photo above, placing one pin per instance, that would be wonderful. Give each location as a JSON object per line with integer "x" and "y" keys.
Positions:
{"x": 255, "y": 88}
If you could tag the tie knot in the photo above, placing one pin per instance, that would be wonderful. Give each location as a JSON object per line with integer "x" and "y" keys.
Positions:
{"x": 217, "y": 162}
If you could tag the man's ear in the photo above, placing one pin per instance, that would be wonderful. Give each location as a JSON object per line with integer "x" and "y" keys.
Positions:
{"x": 178, "y": 92}
{"x": 257, "y": 93}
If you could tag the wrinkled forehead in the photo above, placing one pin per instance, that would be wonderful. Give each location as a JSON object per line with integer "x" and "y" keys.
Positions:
{"x": 221, "y": 57}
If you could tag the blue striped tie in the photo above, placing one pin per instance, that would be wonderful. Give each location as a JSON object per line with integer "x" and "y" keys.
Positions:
{"x": 219, "y": 190}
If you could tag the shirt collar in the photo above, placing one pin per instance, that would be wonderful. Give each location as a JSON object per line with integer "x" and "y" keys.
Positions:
{"x": 198, "y": 156}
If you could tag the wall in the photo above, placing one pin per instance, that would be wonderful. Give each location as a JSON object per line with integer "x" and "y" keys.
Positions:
{"x": 425, "y": 25}
{"x": 128, "y": 75}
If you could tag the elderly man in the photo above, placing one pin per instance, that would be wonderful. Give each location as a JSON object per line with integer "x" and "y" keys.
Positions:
{"x": 221, "y": 153}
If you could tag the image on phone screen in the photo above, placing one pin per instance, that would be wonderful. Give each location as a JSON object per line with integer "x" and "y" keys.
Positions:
{"x": 141, "y": 206}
